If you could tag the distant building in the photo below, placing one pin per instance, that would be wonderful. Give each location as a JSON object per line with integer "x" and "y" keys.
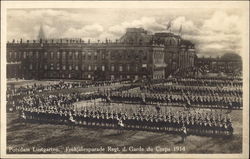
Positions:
{"x": 136, "y": 55}
{"x": 228, "y": 63}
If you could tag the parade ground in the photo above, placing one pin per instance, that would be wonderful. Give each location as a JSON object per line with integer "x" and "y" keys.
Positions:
{"x": 41, "y": 138}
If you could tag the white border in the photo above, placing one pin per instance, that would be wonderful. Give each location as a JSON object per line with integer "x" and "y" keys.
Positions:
{"x": 244, "y": 5}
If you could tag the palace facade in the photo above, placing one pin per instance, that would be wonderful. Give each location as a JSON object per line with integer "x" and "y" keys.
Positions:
{"x": 136, "y": 55}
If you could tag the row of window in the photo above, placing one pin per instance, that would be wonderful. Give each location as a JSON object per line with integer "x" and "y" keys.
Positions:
{"x": 90, "y": 76}
{"x": 113, "y": 68}
{"x": 85, "y": 55}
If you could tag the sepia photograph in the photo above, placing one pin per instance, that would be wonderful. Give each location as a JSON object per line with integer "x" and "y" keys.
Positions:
{"x": 131, "y": 78}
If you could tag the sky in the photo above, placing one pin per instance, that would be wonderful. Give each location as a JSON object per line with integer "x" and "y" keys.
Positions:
{"x": 213, "y": 31}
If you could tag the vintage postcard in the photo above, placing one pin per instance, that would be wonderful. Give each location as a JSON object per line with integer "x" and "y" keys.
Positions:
{"x": 125, "y": 79}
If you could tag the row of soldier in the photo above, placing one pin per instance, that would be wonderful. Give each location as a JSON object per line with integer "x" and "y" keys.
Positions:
{"x": 206, "y": 82}
{"x": 15, "y": 94}
{"x": 35, "y": 88}
{"x": 62, "y": 100}
{"x": 177, "y": 89}
{"x": 203, "y": 80}
{"x": 195, "y": 123}
{"x": 170, "y": 99}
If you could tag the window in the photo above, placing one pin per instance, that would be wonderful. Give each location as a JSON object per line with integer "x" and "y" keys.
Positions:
{"x": 120, "y": 55}
{"x": 89, "y": 56}
{"x": 18, "y": 55}
{"x": 103, "y": 55}
{"x": 31, "y": 54}
{"x": 128, "y": 67}
{"x": 45, "y": 54}
{"x": 58, "y": 66}
{"x": 89, "y": 76}
{"x": 31, "y": 67}
{"x": 112, "y": 68}
{"x": 70, "y": 55}
{"x": 58, "y": 55}
{"x": 52, "y": 55}
{"x": 112, "y": 55}
{"x": 144, "y": 55}
{"x": 95, "y": 68}
{"x": 64, "y": 67}
{"x": 64, "y": 55}
{"x": 76, "y": 55}
{"x": 24, "y": 55}
{"x": 10, "y": 54}
{"x": 120, "y": 68}
{"x": 136, "y": 68}
{"x": 83, "y": 55}
{"x": 140, "y": 41}
{"x": 70, "y": 67}
{"x": 89, "y": 68}
{"x": 76, "y": 67}
{"x": 45, "y": 67}
{"x": 136, "y": 77}
{"x": 37, "y": 55}
{"x": 128, "y": 55}
{"x": 144, "y": 65}
{"x": 137, "y": 57}
{"x": 82, "y": 66}
{"x": 14, "y": 55}
{"x": 52, "y": 66}
{"x": 95, "y": 57}
{"x": 103, "y": 68}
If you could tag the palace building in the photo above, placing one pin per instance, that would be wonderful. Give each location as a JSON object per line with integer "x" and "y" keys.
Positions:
{"x": 137, "y": 54}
